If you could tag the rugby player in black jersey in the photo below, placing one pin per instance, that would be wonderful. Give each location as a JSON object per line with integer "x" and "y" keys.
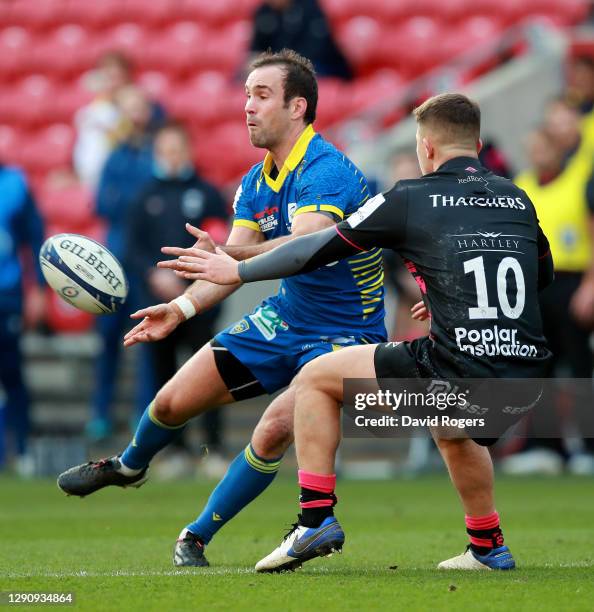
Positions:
{"x": 473, "y": 243}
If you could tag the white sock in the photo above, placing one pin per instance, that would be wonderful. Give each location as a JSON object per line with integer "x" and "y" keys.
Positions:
{"x": 126, "y": 471}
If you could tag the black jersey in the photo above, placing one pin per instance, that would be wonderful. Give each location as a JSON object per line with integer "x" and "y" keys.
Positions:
{"x": 472, "y": 241}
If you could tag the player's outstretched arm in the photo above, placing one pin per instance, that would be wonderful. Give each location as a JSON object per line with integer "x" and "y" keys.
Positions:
{"x": 157, "y": 322}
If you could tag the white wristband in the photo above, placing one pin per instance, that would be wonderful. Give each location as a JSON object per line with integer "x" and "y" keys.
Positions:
{"x": 186, "y": 305}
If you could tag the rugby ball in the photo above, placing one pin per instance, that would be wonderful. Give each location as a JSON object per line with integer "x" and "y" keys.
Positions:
{"x": 83, "y": 273}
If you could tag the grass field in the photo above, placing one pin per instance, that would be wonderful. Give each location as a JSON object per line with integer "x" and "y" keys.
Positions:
{"x": 114, "y": 549}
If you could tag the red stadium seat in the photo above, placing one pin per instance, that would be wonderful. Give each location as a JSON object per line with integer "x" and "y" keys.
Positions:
{"x": 206, "y": 100}
{"x": 49, "y": 148}
{"x": 130, "y": 38}
{"x": 214, "y": 13}
{"x": 412, "y": 46}
{"x": 225, "y": 153}
{"x": 359, "y": 38}
{"x": 16, "y": 45}
{"x": 152, "y": 13}
{"x": 227, "y": 49}
{"x": 38, "y": 15}
{"x": 473, "y": 33}
{"x": 381, "y": 87}
{"x": 334, "y": 102}
{"x": 93, "y": 15}
{"x": 156, "y": 84}
{"x": 10, "y": 145}
{"x": 178, "y": 49}
{"x": 70, "y": 207}
{"x": 66, "y": 51}
{"x": 63, "y": 318}
{"x": 71, "y": 97}
{"x": 30, "y": 103}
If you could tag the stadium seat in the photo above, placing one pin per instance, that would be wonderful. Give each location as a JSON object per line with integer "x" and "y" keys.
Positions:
{"x": 93, "y": 15}
{"x": 178, "y": 49}
{"x": 411, "y": 46}
{"x": 153, "y": 13}
{"x": 63, "y": 318}
{"x": 49, "y": 148}
{"x": 64, "y": 52}
{"x": 70, "y": 207}
{"x": 202, "y": 100}
{"x": 381, "y": 87}
{"x": 359, "y": 37}
{"x": 214, "y": 13}
{"x": 16, "y": 45}
{"x": 473, "y": 33}
{"x": 10, "y": 145}
{"x": 38, "y": 15}
{"x": 130, "y": 38}
{"x": 70, "y": 97}
{"x": 227, "y": 48}
{"x": 225, "y": 153}
{"x": 334, "y": 102}
{"x": 29, "y": 103}
{"x": 156, "y": 84}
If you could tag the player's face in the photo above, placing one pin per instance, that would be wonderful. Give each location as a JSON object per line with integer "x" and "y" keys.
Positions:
{"x": 268, "y": 118}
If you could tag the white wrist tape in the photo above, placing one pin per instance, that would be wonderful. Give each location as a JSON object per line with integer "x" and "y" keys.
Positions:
{"x": 186, "y": 306}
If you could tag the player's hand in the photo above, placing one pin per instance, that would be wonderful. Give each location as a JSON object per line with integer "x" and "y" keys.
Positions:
{"x": 218, "y": 267}
{"x": 157, "y": 323}
{"x": 35, "y": 307}
{"x": 581, "y": 305}
{"x": 203, "y": 240}
{"x": 419, "y": 311}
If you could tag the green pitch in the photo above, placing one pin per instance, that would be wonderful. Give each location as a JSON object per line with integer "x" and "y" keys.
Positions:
{"x": 114, "y": 549}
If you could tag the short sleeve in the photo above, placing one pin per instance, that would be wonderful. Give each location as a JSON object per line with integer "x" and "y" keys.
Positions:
{"x": 244, "y": 215}
{"x": 329, "y": 186}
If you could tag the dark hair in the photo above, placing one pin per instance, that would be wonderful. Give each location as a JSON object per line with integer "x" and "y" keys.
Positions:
{"x": 457, "y": 116}
{"x": 300, "y": 77}
{"x": 173, "y": 125}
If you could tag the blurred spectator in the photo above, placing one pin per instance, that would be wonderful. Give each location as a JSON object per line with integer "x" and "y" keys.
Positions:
{"x": 20, "y": 227}
{"x": 492, "y": 157}
{"x": 176, "y": 196}
{"x": 98, "y": 123}
{"x": 127, "y": 171}
{"x": 300, "y": 25}
{"x": 558, "y": 182}
{"x": 580, "y": 83}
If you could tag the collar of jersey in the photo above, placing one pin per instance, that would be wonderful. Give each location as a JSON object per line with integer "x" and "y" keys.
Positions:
{"x": 292, "y": 161}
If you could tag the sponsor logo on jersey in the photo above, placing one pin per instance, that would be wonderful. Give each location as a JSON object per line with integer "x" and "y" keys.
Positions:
{"x": 240, "y": 327}
{"x": 487, "y": 241}
{"x": 267, "y": 218}
{"x": 291, "y": 210}
{"x": 438, "y": 199}
{"x": 492, "y": 341}
{"x": 268, "y": 322}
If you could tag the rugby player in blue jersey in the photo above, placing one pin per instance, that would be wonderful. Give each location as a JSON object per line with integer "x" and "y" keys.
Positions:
{"x": 303, "y": 185}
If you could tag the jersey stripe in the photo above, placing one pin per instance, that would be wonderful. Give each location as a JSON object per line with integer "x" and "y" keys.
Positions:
{"x": 246, "y": 223}
{"x": 320, "y": 207}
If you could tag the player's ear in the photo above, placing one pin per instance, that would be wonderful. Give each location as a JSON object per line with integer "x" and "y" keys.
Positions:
{"x": 298, "y": 107}
{"x": 479, "y": 145}
{"x": 429, "y": 149}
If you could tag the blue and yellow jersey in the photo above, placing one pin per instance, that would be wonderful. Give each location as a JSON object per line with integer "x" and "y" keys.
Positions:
{"x": 316, "y": 177}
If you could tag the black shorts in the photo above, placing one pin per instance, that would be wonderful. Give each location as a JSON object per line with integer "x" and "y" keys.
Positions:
{"x": 414, "y": 360}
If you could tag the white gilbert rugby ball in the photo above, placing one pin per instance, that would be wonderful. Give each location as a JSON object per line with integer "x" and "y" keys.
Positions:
{"x": 83, "y": 273}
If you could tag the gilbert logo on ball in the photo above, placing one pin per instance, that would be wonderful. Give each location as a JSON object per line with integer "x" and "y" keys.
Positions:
{"x": 83, "y": 273}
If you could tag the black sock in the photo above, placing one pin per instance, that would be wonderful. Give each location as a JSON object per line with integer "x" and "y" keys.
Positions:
{"x": 314, "y": 517}
{"x": 495, "y": 535}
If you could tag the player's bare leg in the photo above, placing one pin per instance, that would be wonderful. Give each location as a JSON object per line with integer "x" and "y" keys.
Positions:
{"x": 195, "y": 388}
{"x": 471, "y": 471}
{"x": 319, "y": 395}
